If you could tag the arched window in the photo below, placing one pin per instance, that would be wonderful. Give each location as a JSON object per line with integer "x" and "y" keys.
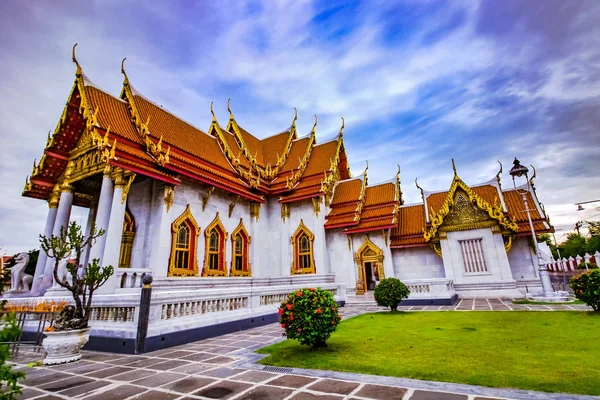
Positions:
{"x": 127, "y": 240}
{"x": 304, "y": 260}
{"x": 240, "y": 246}
{"x": 184, "y": 245}
{"x": 214, "y": 261}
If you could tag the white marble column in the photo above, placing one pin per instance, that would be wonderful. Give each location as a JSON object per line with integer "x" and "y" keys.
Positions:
{"x": 43, "y": 258}
{"x": 63, "y": 215}
{"x": 102, "y": 216}
{"x": 114, "y": 235}
{"x": 88, "y": 229}
{"x": 160, "y": 249}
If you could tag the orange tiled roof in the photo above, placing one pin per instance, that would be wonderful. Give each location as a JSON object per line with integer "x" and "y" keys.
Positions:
{"x": 113, "y": 113}
{"x": 379, "y": 211}
{"x": 273, "y": 146}
{"x": 344, "y": 204}
{"x": 345, "y": 191}
{"x": 516, "y": 207}
{"x": 409, "y": 230}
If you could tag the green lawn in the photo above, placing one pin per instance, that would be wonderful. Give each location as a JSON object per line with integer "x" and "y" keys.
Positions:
{"x": 546, "y": 351}
{"x": 546, "y": 302}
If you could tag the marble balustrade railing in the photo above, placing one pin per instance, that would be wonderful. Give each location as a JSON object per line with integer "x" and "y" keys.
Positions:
{"x": 429, "y": 288}
{"x": 571, "y": 263}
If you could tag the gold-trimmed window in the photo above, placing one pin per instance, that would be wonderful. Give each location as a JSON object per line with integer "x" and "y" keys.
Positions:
{"x": 184, "y": 245}
{"x": 127, "y": 240}
{"x": 304, "y": 260}
{"x": 240, "y": 251}
{"x": 214, "y": 260}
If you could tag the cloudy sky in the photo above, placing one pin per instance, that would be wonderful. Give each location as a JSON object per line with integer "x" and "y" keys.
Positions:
{"x": 418, "y": 83}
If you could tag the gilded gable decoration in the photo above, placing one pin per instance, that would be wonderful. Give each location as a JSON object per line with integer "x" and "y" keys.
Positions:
{"x": 169, "y": 196}
{"x": 285, "y": 211}
{"x": 316, "y": 201}
{"x": 206, "y": 197}
{"x": 184, "y": 245}
{"x": 254, "y": 210}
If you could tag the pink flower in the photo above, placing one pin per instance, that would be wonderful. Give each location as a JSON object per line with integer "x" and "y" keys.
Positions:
{"x": 281, "y": 311}
{"x": 318, "y": 311}
{"x": 283, "y": 325}
{"x": 289, "y": 306}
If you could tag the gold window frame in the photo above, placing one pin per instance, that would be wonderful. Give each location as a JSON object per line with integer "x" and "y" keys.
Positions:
{"x": 302, "y": 229}
{"x": 246, "y": 240}
{"x": 222, "y": 270}
{"x": 173, "y": 270}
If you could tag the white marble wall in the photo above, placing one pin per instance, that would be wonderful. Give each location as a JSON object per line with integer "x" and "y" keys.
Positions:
{"x": 417, "y": 263}
{"x": 494, "y": 252}
{"x": 341, "y": 258}
{"x": 522, "y": 260}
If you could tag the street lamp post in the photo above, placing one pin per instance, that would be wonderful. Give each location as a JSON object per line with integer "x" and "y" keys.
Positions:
{"x": 519, "y": 170}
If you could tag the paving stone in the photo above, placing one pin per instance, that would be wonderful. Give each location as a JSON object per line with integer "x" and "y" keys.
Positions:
{"x": 118, "y": 393}
{"x": 426, "y": 395}
{"x": 50, "y": 397}
{"x": 223, "y": 390}
{"x": 487, "y": 398}
{"x": 224, "y": 350}
{"x": 70, "y": 365}
{"x": 156, "y": 395}
{"x": 334, "y": 386}
{"x": 28, "y": 393}
{"x": 178, "y": 354}
{"x": 105, "y": 373}
{"x": 189, "y": 384}
{"x": 254, "y": 376}
{"x": 158, "y": 379}
{"x": 311, "y": 396}
{"x": 101, "y": 356}
{"x": 126, "y": 360}
{"x": 40, "y": 379}
{"x": 91, "y": 367}
{"x": 37, "y": 372}
{"x": 167, "y": 365}
{"x": 221, "y": 372}
{"x": 198, "y": 357}
{"x": 379, "y": 392}
{"x": 85, "y": 389}
{"x": 266, "y": 393}
{"x": 192, "y": 368}
{"x": 293, "y": 381}
{"x": 56, "y": 386}
{"x": 220, "y": 360}
{"x": 146, "y": 363}
{"x": 133, "y": 375}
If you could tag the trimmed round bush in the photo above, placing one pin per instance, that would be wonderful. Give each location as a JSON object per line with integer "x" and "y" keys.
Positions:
{"x": 586, "y": 287}
{"x": 390, "y": 292}
{"x": 310, "y": 316}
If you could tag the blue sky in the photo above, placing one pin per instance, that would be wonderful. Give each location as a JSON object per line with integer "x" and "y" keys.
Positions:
{"x": 418, "y": 83}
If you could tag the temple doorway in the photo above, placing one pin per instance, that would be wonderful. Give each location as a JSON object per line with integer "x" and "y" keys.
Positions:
{"x": 369, "y": 259}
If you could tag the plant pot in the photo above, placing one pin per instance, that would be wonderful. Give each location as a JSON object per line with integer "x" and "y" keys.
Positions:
{"x": 63, "y": 346}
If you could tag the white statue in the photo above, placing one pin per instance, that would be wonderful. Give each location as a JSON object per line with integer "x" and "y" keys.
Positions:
{"x": 62, "y": 271}
{"x": 19, "y": 280}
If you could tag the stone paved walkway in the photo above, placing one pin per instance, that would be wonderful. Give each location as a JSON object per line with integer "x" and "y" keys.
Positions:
{"x": 224, "y": 368}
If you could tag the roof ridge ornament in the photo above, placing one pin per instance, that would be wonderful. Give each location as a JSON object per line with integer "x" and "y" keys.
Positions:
{"x": 295, "y": 118}
{"x": 454, "y": 168}
{"x": 421, "y": 189}
{"x": 231, "y": 118}
{"x": 79, "y": 71}
{"x": 312, "y": 131}
{"x": 533, "y": 176}
{"x": 214, "y": 118}
{"x": 499, "y": 172}
{"x": 342, "y": 127}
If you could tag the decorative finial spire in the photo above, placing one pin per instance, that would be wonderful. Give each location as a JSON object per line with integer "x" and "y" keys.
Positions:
{"x": 342, "y": 127}
{"x": 78, "y": 71}
{"x": 214, "y": 118}
{"x": 421, "y": 189}
{"x": 454, "y": 168}
{"x": 229, "y": 109}
{"x": 315, "y": 124}
{"x": 398, "y": 173}
{"x": 126, "y": 80}
{"x": 295, "y": 117}
{"x": 499, "y": 172}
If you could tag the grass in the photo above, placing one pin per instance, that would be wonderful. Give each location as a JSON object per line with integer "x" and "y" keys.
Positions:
{"x": 545, "y": 351}
{"x": 546, "y": 302}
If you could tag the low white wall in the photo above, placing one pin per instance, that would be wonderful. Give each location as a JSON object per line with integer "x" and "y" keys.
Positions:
{"x": 417, "y": 263}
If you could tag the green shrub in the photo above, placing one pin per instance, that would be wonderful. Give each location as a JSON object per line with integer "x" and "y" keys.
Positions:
{"x": 586, "y": 287}
{"x": 390, "y": 292}
{"x": 9, "y": 331}
{"x": 309, "y": 316}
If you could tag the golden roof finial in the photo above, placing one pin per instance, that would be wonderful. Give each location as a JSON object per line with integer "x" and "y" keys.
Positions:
{"x": 398, "y": 173}
{"x": 533, "y": 176}
{"x": 78, "y": 71}
{"x": 214, "y": 118}
{"x": 420, "y": 188}
{"x": 499, "y": 172}
{"x": 295, "y": 117}
{"x": 342, "y": 127}
{"x": 229, "y": 109}
{"x": 454, "y": 168}
{"x": 315, "y": 124}
{"x": 366, "y": 169}
{"x": 126, "y": 80}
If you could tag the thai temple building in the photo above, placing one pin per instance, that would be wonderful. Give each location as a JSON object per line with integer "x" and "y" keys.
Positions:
{"x": 228, "y": 223}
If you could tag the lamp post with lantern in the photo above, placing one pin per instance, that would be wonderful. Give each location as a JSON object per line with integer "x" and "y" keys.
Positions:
{"x": 518, "y": 171}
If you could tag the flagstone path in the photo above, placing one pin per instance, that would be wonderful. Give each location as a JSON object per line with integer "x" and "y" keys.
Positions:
{"x": 225, "y": 368}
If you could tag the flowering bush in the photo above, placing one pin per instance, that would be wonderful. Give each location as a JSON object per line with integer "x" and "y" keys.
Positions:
{"x": 309, "y": 316}
{"x": 586, "y": 287}
{"x": 390, "y": 292}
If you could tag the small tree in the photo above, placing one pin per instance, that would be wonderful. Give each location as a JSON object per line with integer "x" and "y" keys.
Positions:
{"x": 586, "y": 287}
{"x": 84, "y": 281}
{"x": 309, "y": 316}
{"x": 9, "y": 332}
{"x": 390, "y": 292}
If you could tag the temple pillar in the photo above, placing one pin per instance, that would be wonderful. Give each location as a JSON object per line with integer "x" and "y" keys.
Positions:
{"x": 103, "y": 216}
{"x": 43, "y": 258}
{"x": 88, "y": 229}
{"x": 114, "y": 234}
{"x": 160, "y": 248}
{"x": 63, "y": 214}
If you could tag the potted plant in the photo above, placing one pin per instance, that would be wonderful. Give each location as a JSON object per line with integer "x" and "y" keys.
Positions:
{"x": 70, "y": 331}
